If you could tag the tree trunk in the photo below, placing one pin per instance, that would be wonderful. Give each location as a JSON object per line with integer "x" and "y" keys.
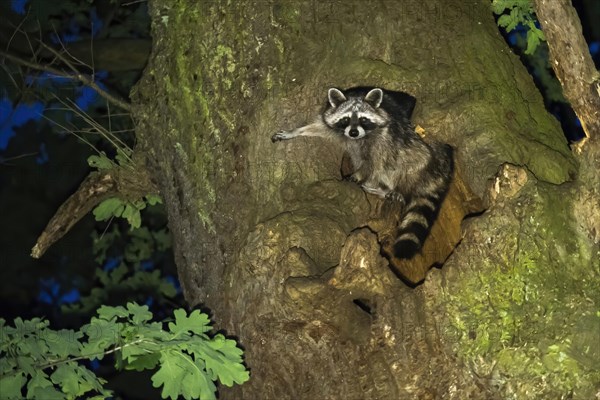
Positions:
{"x": 571, "y": 61}
{"x": 282, "y": 251}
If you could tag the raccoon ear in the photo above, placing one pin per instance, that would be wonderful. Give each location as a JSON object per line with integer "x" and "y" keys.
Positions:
{"x": 336, "y": 97}
{"x": 374, "y": 97}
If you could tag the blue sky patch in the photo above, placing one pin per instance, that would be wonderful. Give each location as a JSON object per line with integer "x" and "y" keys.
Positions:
{"x": 11, "y": 118}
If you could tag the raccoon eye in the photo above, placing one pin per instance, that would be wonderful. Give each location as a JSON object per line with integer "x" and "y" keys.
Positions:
{"x": 342, "y": 123}
{"x": 367, "y": 124}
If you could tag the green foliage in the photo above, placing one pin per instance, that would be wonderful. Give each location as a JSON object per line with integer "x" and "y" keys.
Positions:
{"x": 141, "y": 244}
{"x": 122, "y": 156}
{"x": 119, "y": 281}
{"x": 115, "y": 206}
{"x": 103, "y": 242}
{"x": 43, "y": 363}
{"x": 128, "y": 281}
{"x": 519, "y": 12}
{"x": 100, "y": 161}
{"x": 128, "y": 209}
{"x": 532, "y": 43}
{"x": 193, "y": 362}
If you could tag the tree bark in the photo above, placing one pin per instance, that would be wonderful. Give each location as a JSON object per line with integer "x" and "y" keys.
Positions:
{"x": 572, "y": 61}
{"x": 280, "y": 249}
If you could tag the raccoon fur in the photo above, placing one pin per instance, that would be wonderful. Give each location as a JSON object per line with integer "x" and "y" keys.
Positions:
{"x": 389, "y": 158}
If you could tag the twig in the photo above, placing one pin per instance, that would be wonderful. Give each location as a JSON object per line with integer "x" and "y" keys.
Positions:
{"x": 83, "y": 357}
{"x": 4, "y": 160}
{"x": 89, "y": 356}
{"x": 63, "y": 58}
{"x": 76, "y": 75}
{"x": 134, "y": 2}
{"x": 17, "y": 29}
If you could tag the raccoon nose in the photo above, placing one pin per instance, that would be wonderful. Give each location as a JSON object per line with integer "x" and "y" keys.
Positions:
{"x": 353, "y": 132}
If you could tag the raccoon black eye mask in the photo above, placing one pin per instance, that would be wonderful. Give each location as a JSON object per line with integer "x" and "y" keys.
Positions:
{"x": 390, "y": 159}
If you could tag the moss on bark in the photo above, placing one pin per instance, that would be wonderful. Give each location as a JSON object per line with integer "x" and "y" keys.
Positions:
{"x": 520, "y": 298}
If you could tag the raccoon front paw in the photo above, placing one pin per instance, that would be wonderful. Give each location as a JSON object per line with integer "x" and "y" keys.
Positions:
{"x": 395, "y": 197}
{"x": 356, "y": 178}
{"x": 281, "y": 135}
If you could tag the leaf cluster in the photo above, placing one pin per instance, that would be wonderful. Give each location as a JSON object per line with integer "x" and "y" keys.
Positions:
{"x": 122, "y": 158}
{"x": 140, "y": 244}
{"x": 121, "y": 283}
{"x": 124, "y": 208}
{"x": 36, "y": 362}
{"x": 133, "y": 266}
{"x": 116, "y": 206}
{"x": 44, "y": 363}
{"x": 520, "y": 12}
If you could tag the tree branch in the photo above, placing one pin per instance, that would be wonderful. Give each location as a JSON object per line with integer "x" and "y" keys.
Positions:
{"x": 127, "y": 183}
{"x": 75, "y": 75}
{"x": 95, "y": 188}
{"x": 571, "y": 61}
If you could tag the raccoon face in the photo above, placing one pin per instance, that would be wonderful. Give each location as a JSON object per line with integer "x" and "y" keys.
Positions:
{"x": 355, "y": 117}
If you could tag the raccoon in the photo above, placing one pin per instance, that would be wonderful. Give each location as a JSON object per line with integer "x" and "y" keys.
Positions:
{"x": 390, "y": 159}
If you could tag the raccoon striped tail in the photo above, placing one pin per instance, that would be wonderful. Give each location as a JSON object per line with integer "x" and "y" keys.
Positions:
{"x": 419, "y": 215}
